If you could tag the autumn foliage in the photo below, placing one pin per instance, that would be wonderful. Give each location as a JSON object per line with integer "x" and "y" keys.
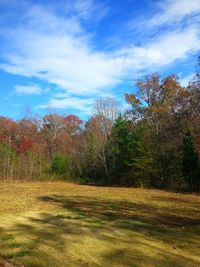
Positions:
{"x": 153, "y": 143}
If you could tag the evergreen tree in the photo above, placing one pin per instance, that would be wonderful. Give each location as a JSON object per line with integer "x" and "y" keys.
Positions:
{"x": 190, "y": 163}
{"x": 61, "y": 166}
{"x": 122, "y": 149}
{"x": 132, "y": 162}
{"x": 140, "y": 161}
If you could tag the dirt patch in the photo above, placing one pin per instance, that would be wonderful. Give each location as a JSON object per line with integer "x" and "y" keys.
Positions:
{"x": 4, "y": 263}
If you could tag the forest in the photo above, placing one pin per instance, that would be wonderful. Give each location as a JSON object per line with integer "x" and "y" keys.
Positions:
{"x": 155, "y": 143}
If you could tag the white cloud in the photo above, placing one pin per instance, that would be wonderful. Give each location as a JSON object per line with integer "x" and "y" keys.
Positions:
{"x": 27, "y": 90}
{"x": 84, "y": 8}
{"x": 90, "y": 9}
{"x": 63, "y": 58}
{"x": 162, "y": 51}
{"x": 59, "y": 51}
{"x": 174, "y": 11}
{"x": 83, "y": 105}
{"x": 49, "y": 48}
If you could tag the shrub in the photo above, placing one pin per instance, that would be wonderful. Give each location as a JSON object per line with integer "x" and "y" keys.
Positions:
{"x": 61, "y": 165}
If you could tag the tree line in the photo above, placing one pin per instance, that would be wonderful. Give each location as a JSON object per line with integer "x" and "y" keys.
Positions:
{"x": 155, "y": 143}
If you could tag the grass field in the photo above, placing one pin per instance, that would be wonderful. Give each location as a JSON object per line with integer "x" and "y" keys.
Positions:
{"x": 58, "y": 224}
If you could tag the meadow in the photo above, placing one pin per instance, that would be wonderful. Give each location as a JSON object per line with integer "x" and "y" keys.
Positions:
{"x": 56, "y": 224}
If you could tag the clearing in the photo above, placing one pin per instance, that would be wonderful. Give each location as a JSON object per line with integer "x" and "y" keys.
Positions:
{"x": 55, "y": 224}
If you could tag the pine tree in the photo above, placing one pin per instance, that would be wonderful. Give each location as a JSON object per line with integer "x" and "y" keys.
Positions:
{"x": 190, "y": 163}
{"x": 133, "y": 164}
{"x": 122, "y": 149}
{"x": 140, "y": 160}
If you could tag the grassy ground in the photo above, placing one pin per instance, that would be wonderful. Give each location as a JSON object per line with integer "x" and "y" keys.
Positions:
{"x": 58, "y": 224}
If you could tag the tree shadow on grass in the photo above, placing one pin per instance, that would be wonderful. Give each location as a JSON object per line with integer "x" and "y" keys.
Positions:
{"x": 125, "y": 211}
{"x": 172, "y": 226}
{"x": 130, "y": 234}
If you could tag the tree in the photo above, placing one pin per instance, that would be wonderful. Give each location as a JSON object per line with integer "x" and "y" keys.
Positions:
{"x": 7, "y": 138}
{"x": 107, "y": 107}
{"x": 72, "y": 124}
{"x": 158, "y": 103}
{"x": 146, "y": 146}
{"x": 192, "y": 109}
{"x": 141, "y": 161}
{"x": 61, "y": 166}
{"x": 190, "y": 163}
{"x": 51, "y": 125}
{"x": 122, "y": 148}
{"x": 96, "y": 149}
{"x": 133, "y": 164}
{"x": 97, "y": 146}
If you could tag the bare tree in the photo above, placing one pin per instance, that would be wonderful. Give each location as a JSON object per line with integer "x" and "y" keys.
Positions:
{"x": 107, "y": 107}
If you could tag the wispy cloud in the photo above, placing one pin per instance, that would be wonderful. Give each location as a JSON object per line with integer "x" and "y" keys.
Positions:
{"x": 174, "y": 11}
{"x": 90, "y": 9}
{"x": 27, "y": 90}
{"x": 168, "y": 48}
{"x": 60, "y": 51}
{"x": 82, "y": 105}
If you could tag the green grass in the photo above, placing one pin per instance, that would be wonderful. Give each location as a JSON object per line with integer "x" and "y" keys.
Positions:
{"x": 58, "y": 224}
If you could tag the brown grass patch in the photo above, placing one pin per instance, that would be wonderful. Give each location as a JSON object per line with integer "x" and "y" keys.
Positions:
{"x": 59, "y": 224}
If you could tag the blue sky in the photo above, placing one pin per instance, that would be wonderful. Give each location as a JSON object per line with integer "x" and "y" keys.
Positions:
{"x": 64, "y": 54}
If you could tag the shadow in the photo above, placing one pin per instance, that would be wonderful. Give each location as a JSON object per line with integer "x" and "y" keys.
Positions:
{"x": 88, "y": 231}
{"x": 178, "y": 199}
{"x": 127, "y": 212}
{"x": 172, "y": 226}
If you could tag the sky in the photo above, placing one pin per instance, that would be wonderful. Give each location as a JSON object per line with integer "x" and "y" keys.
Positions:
{"x": 62, "y": 55}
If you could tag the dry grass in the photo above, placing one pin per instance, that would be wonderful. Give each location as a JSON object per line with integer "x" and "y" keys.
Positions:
{"x": 58, "y": 224}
